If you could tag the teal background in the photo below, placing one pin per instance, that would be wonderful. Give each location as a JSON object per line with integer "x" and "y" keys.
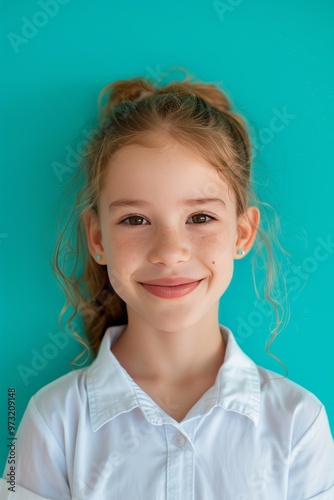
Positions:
{"x": 268, "y": 56}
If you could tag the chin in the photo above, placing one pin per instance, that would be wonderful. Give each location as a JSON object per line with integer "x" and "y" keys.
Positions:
{"x": 171, "y": 322}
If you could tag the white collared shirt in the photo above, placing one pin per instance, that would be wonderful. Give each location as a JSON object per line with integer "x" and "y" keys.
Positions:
{"x": 95, "y": 434}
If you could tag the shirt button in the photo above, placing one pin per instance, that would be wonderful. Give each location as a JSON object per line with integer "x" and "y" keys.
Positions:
{"x": 179, "y": 440}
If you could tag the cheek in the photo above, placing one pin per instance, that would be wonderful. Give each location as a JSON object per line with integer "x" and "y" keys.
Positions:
{"x": 122, "y": 260}
{"x": 123, "y": 253}
{"x": 217, "y": 248}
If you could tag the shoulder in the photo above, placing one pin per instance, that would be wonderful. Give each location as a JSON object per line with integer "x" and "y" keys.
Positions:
{"x": 74, "y": 398}
{"x": 283, "y": 393}
{"x": 288, "y": 404}
{"x": 277, "y": 403}
{"x": 61, "y": 401}
{"x": 299, "y": 422}
{"x": 71, "y": 385}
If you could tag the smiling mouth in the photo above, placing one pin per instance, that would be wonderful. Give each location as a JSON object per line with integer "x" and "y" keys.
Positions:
{"x": 171, "y": 291}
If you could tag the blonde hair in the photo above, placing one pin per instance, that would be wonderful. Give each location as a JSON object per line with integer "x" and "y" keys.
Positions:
{"x": 197, "y": 115}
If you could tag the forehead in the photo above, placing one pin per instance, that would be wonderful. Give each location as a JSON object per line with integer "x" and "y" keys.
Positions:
{"x": 168, "y": 168}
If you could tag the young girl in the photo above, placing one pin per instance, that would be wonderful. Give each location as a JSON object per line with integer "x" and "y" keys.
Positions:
{"x": 171, "y": 407}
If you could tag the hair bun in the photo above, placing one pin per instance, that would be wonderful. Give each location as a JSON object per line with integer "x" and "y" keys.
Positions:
{"x": 132, "y": 89}
{"x": 208, "y": 92}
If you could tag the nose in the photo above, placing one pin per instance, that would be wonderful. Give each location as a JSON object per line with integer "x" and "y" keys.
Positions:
{"x": 168, "y": 247}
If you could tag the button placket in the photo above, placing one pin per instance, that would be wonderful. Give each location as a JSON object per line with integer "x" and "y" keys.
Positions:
{"x": 180, "y": 464}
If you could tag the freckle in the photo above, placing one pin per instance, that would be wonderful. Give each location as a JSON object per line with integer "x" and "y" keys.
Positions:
{"x": 213, "y": 262}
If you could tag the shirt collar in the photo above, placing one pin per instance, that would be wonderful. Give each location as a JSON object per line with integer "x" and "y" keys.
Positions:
{"x": 111, "y": 390}
{"x": 237, "y": 384}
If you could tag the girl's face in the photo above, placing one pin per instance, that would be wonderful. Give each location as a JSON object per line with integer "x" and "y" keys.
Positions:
{"x": 165, "y": 213}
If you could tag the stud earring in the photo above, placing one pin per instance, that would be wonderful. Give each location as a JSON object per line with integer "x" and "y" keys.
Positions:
{"x": 241, "y": 251}
{"x": 98, "y": 257}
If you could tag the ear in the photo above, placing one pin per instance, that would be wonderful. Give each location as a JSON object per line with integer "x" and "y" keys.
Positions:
{"x": 248, "y": 224}
{"x": 94, "y": 235}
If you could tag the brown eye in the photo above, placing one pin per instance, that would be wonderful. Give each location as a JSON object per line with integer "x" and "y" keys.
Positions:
{"x": 134, "y": 220}
{"x": 201, "y": 218}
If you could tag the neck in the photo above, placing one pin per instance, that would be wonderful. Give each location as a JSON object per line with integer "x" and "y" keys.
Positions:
{"x": 174, "y": 356}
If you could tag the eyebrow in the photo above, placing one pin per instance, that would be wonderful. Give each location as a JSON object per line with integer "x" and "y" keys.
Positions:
{"x": 142, "y": 203}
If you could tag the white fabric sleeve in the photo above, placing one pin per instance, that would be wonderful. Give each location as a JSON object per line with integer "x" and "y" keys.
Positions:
{"x": 18, "y": 494}
{"x": 40, "y": 466}
{"x": 311, "y": 471}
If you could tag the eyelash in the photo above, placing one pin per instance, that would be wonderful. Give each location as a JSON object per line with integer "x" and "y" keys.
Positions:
{"x": 141, "y": 217}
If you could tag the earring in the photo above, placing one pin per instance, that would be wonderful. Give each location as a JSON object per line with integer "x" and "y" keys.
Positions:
{"x": 241, "y": 251}
{"x": 98, "y": 257}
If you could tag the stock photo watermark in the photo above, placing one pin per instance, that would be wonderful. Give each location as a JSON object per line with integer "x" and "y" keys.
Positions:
{"x": 3, "y": 236}
{"x": 11, "y": 445}
{"x": 296, "y": 279}
{"x": 223, "y": 8}
{"x": 155, "y": 75}
{"x": 100, "y": 472}
{"x": 73, "y": 151}
{"x": 69, "y": 164}
{"x": 278, "y": 122}
{"x": 259, "y": 481}
{"x": 40, "y": 358}
{"x": 66, "y": 167}
{"x": 31, "y": 26}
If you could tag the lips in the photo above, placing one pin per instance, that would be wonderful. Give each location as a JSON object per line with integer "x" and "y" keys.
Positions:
{"x": 171, "y": 281}
{"x": 171, "y": 287}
